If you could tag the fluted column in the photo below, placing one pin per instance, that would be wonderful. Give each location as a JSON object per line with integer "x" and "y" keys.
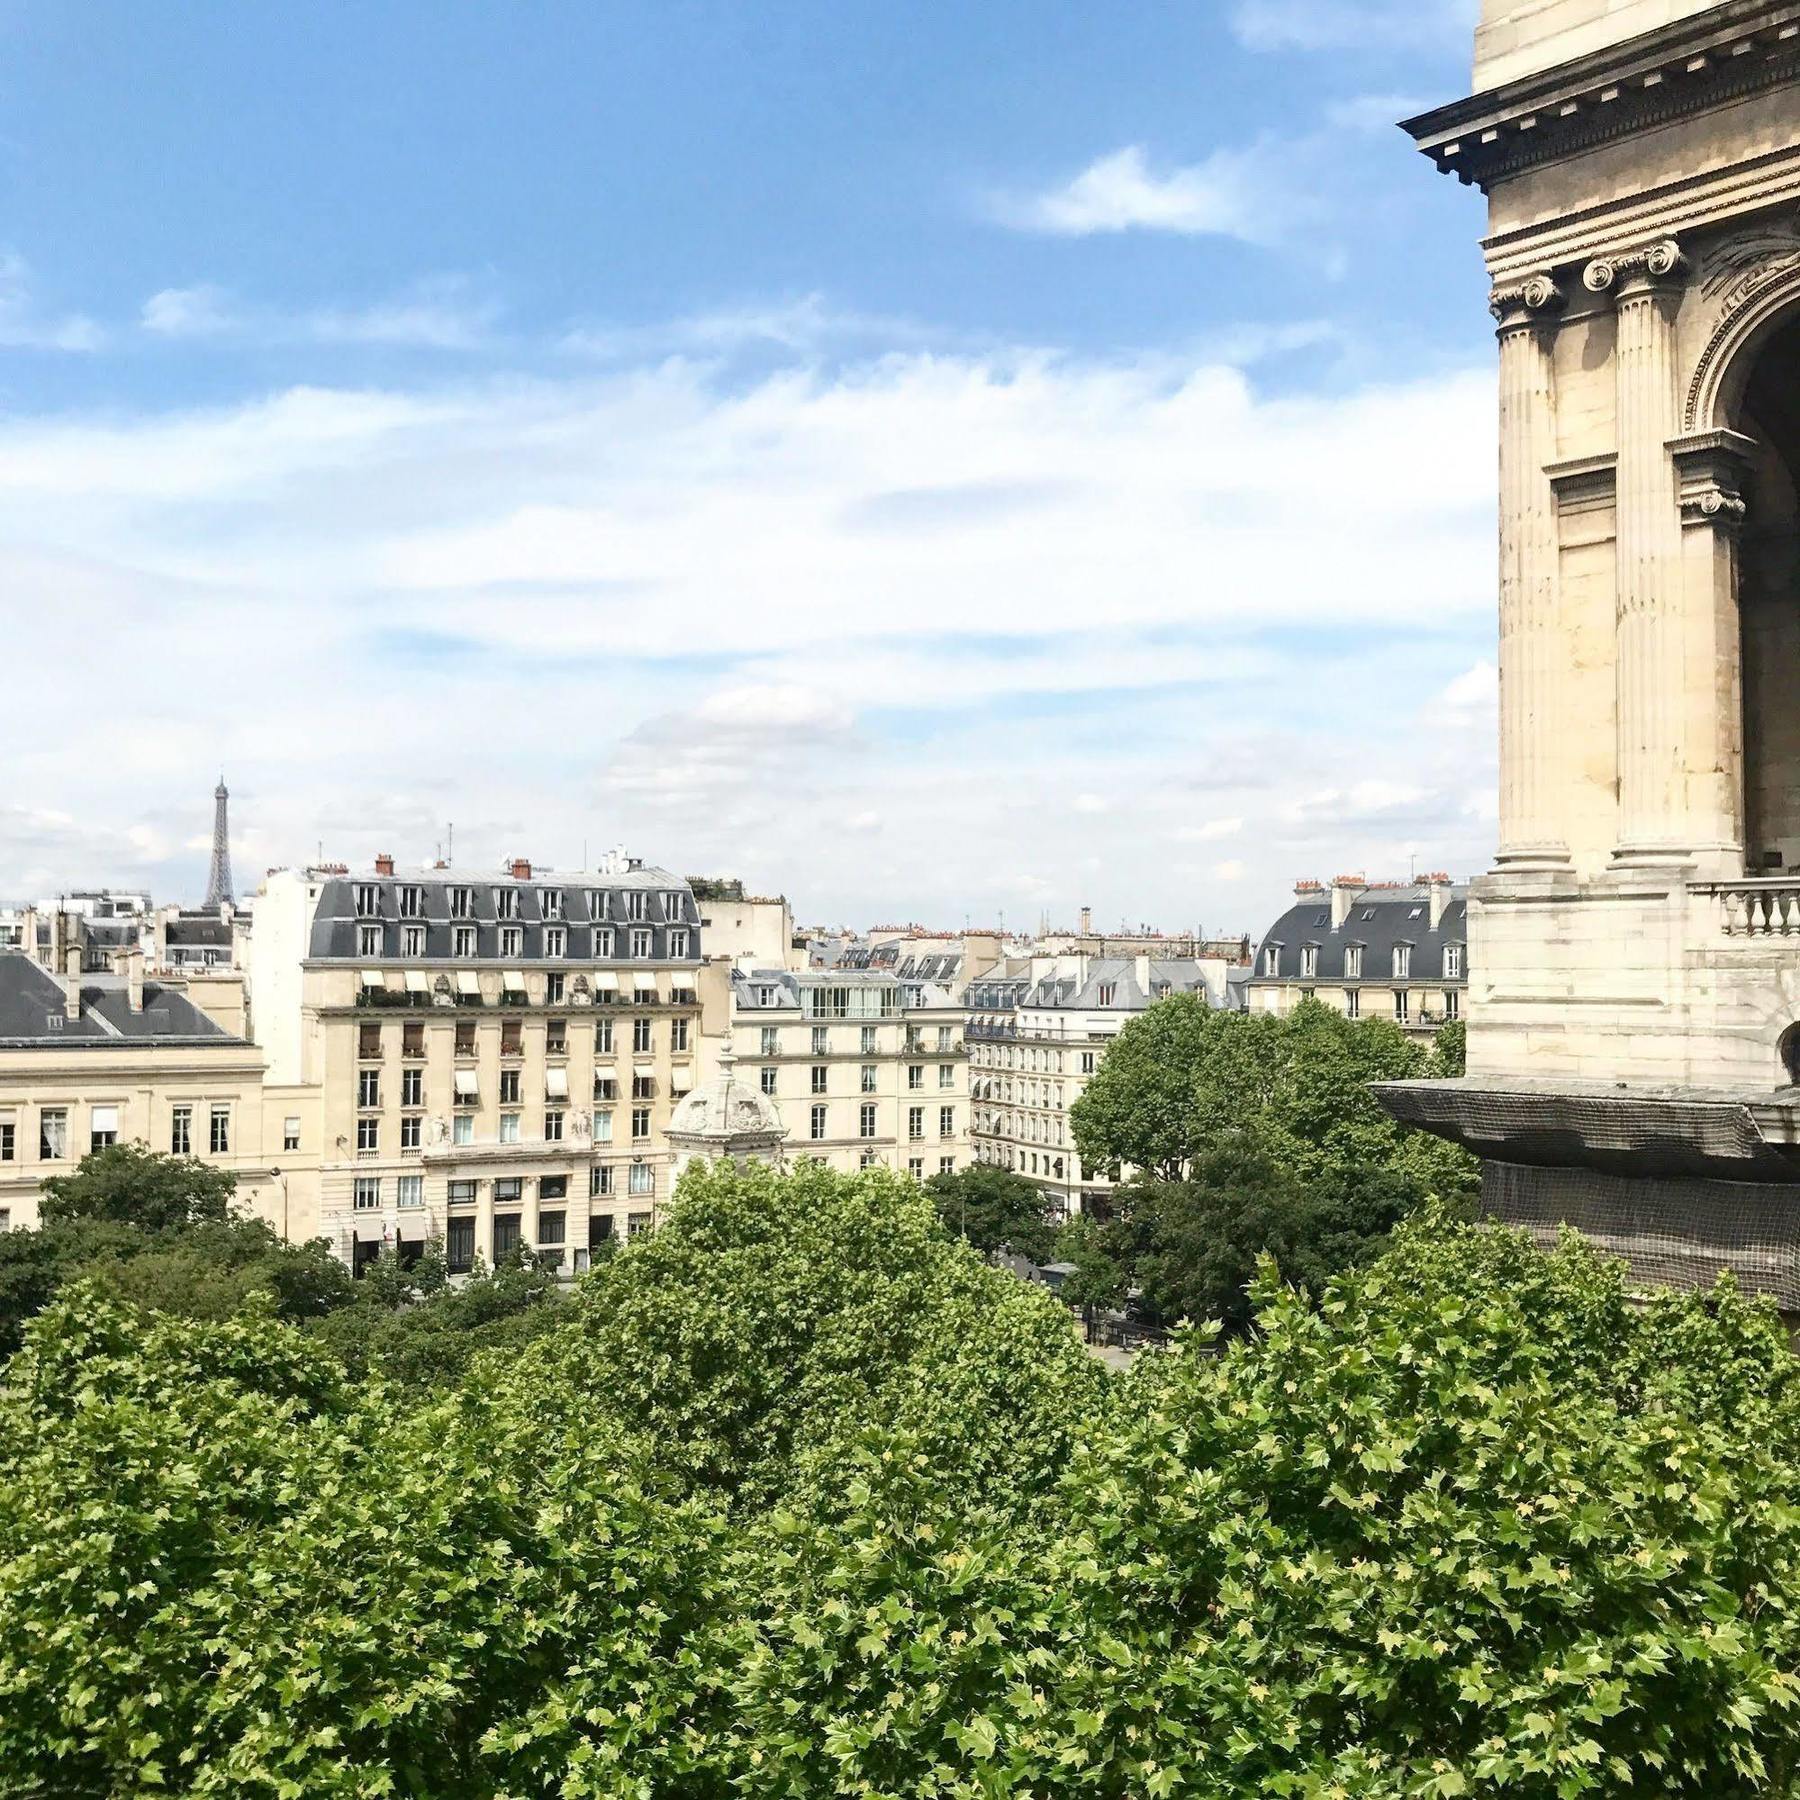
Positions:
{"x": 1651, "y": 679}
{"x": 1530, "y": 648}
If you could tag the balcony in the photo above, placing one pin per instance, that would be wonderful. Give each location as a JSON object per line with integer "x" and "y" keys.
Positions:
{"x": 1753, "y": 908}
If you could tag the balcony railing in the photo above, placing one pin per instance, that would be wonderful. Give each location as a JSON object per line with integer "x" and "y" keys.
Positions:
{"x": 1768, "y": 908}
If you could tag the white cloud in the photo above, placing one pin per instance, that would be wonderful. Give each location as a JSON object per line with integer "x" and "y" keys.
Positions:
{"x": 23, "y": 324}
{"x": 441, "y": 313}
{"x": 1232, "y": 193}
{"x": 808, "y": 326}
{"x": 1350, "y": 24}
{"x": 1210, "y": 832}
{"x": 202, "y": 311}
{"x": 1091, "y": 803}
{"x": 1232, "y": 871}
{"x": 1470, "y": 702}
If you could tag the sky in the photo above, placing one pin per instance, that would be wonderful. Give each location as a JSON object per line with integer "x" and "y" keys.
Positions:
{"x": 940, "y": 462}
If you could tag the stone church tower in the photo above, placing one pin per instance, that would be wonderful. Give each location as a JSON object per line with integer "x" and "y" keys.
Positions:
{"x": 1635, "y": 953}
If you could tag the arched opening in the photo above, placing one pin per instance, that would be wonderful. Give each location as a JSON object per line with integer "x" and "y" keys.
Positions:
{"x": 1788, "y": 1049}
{"x": 1769, "y": 609}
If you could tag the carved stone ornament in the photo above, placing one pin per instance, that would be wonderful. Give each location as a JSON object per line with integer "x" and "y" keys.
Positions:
{"x": 579, "y": 991}
{"x": 1747, "y": 280}
{"x": 1526, "y": 302}
{"x": 440, "y": 1131}
{"x": 1713, "y": 468}
{"x": 1651, "y": 262}
{"x": 441, "y": 994}
{"x": 581, "y": 1126}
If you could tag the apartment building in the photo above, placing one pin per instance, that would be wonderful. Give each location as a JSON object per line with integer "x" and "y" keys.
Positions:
{"x": 867, "y": 1067}
{"x": 88, "y": 1060}
{"x": 1038, "y": 1030}
{"x": 1392, "y": 950}
{"x": 497, "y": 1055}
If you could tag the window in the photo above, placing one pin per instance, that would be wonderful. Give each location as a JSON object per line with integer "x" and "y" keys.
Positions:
{"x": 1402, "y": 1006}
{"x": 1353, "y": 1004}
{"x": 552, "y": 1227}
{"x": 915, "y": 1167}
{"x": 946, "y": 1165}
{"x": 8, "y": 1140}
{"x": 412, "y": 940}
{"x": 553, "y": 1127}
{"x": 412, "y": 1087}
{"x": 868, "y": 1040}
{"x": 944, "y": 1041}
{"x": 459, "y": 903}
{"x": 554, "y": 988}
{"x": 637, "y": 1223}
{"x": 768, "y": 1082}
{"x": 643, "y": 1036}
{"x": 412, "y": 1039}
{"x": 103, "y": 1127}
{"x": 915, "y": 1076}
{"x": 368, "y": 1136}
{"x": 600, "y": 1183}
{"x": 550, "y": 902}
{"x": 640, "y": 943}
{"x": 368, "y": 900}
{"x": 603, "y": 1127}
{"x": 634, "y": 906}
{"x": 946, "y": 1075}
{"x": 506, "y": 1233}
{"x": 678, "y": 945}
{"x": 509, "y": 1191}
{"x": 367, "y": 1194}
{"x": 643, "y": 1087}
{"x": 290, "y": 1134}
{"x": 459, "y": 1246}
{"x": 603, "y": 1038}
{"x": 409, "y": 1192}
{"x": 866, "y": 1120}
{"x": 509, "y": 1087}
{"x": 462, "y": 941}
{"x": 1452, "y": 962}
{"x": 506, "y": 903}
{"x": 556, "y": 1038}
{"x": 219, "y": 1131}
{"x": 509, "y": 1128}
{"x": 818, "y": 1078}
{"x": 771, "y": 1040}
{"x": 512, "y": 940}
{"x": 915, "y": 1122}
{"x": 368, "y": 940}
{"x": 412, "y": 902}
{"x": 603, "y": 943}
{"x": 1088, "y": 1060}
{"x": 181, "y": 1131}
{"x": 460, "y": 1193}
{"x": 818, "y": 1123}
{"x": 640, "y": 1124}
{"x": 1402, "y": 961}
{"x": 642, "y": 1180}
{"x": 946, "y": 1121}
{"x": 1309, "y": 962}
{"x": 678, "y": 1035}
{"x": 1452, "y": 1005}
{"x": 821, "y": 1041}
{"x": 1353, "y": 962}
{"x": 674, "y": 905}
{"x": 556, "y": 941}
{"x": 465, "y": 1037}
{"x": 462, "y": 1128}
{"x": 606, "y": 1087}
{"x": 869, "y": 1074}
{"x": 368, "y": 1087}
{"x": 1108, "y": 992}
{"x": 409, "y": 1131}
{"x": 597, "y": 904}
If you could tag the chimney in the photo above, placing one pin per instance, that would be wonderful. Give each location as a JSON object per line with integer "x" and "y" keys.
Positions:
{"x": 1438, "y": 886}
{"x": 521, "y": 869}
{"x": 1309, "y": 890}
{"x": 1087, "y": 921}
{"x": 129, "y": 964}
{"x": 1141, "y": 968}
{"x": 1344, "y": 889}
{"x": 384, "y": 864}
{"x": 28, "y": 933}
{"x": 72, "y": 981}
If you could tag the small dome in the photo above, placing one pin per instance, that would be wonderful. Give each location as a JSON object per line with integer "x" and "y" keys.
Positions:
{"x": 726, "y": 1112}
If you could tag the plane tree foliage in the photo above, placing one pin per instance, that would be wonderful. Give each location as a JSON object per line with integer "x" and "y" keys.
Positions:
{"x": 801, "y": 1498}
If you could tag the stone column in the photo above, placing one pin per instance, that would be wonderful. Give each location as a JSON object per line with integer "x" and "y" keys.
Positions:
{"x": 1653, "y": 823}
{"x": 1531, "y": 651}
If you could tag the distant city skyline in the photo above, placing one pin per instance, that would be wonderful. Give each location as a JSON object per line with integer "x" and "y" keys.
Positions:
{"x": 947, "y": 463}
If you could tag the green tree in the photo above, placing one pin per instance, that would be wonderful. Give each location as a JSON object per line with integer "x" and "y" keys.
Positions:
{"x": 130, "y": 1185}
{"x": 1096, "y": 1278}
{"x": 995, "y": 1210}
{"x": 1140, "y": 1110}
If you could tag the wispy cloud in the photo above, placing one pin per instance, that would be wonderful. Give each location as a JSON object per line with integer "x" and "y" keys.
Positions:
{"x": 1349, "y": 24}
{"x": 805, "y": 326}
{"x": 1230, "y": 193}
{"x": 440, "y": 313}
{"x": 24, "y": 325}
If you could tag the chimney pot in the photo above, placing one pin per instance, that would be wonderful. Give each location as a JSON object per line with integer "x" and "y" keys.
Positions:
{"x": 521, "y": 869}
{"x": 72, "y": 981}
{"x": 384, "y": 864}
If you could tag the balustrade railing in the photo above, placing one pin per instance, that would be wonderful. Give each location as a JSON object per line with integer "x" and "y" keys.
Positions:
{"x": 1759, "y": 909}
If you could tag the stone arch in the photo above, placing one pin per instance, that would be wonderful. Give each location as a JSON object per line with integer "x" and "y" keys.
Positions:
{"x": 1787, "y": 1050}
{"x": 1754, "y": 304}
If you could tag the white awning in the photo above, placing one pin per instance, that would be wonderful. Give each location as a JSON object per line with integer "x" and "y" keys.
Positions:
{"x": 466, "y": 1088}
{"x": 556, "y": 1084}
{"x": 371, "y": 978}
{"x": 605, "y": 981}
{"x": 645, "y": 985}
{"x": 416, "y": 982}
{"x": 513, "y": 981}
{"x": 103, "y": 1118}
{"x": 681, "y": 1082}
{"x": 467, "y": 982}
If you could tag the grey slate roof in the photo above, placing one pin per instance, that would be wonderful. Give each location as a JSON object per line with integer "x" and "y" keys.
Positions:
{"x": 1112, "y": 985}
{"x": 33, "y": 1012}
{"x": 1378, "y": 921}
{"x": 669, "y": 904}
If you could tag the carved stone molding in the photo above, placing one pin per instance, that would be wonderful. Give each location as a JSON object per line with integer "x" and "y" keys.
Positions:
{"x": 1749, "y": 280}
{"x": 1534, "y": 301}
{"x": 1712, "y": 468}
{"x": 1649, "y": 263}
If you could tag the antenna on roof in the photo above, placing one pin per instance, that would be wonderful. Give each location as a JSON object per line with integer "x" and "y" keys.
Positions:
{"x": 449, "y": 842}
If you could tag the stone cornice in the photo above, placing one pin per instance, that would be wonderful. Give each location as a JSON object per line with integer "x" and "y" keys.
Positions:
{"x": 1708, "y": 60}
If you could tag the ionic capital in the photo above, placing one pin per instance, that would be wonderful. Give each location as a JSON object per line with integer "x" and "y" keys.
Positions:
{"x": 1629, "y": 271}
{"x": 1534, "y": 301}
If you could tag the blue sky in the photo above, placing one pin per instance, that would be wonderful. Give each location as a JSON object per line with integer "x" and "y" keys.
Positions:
{"x": 936, "y": 460}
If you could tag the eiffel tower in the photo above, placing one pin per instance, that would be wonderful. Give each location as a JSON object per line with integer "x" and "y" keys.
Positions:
{"x": 218, "y": 881}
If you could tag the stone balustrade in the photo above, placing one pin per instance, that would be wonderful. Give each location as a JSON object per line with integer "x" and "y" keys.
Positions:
{"x": 1759, "y": 909}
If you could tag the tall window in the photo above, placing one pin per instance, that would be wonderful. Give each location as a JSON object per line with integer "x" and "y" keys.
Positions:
{"x": 640, "y": 944}
{"x": 821, "y": 1041}
{"x": 556, "y": 941}
{"x": 103, "y": 1127}
{"x": 368, "y": 1087}
{"x": 1353, "y": 962}
{"x": 368, "y": 900}
{"x": 1402, "y": 961}
{"x": 510, "y": 1082}
{"x": 768, "y": 1082}
{"x": 641, "y": 1181}
{"x": 946, "y": 1075}
{"x": 412, "y": 1087}
{"x": 9, "y": 1136}
{"x": 1309, "y": 962}
{"x": 506, "y": 903}
{"x": 509, "y": 1128}
{"x": 915, "y": 1076}
{"x": 512, "y": 940}
{"x": 290, "y": 1134}
{"x": 678, "y": 1035}
{"x": 818, "y": 1123}
{"x": 459, "y": 903}
{"x": 770, "y": 1040}
{"x": 409, "y": 1192}
{"x": 409, "y": 1131}
{"x": 603, "y": 943}
{"x": 1452, "y": 962}
{"x": 597, "y": 907}
{"x": 462, "y": 1128}
{"x": 915, "y": 1122}
{"x": 1452, "y": 1004}
{"x": 946, "y": 1121}
{"x": 366, "y": 1196}
{"x": 368, "y": 1136}
{"x": 603, "y": 1039}
{"x": 1353, "y": 1004}
{"x": 1402, "y": 1006}
{"x": 219, "y": 1131}
{"x": 643, "y": 1036}
{"x": 866, "y": 1121}
{"x": 181, "y": 1131}
{"x": 412, "y": 902}
{"x": 640, "y": 1124}
{"x": 868, "y": 1040}
{"x": 551, "y": 901}
{"x": 678, "y": 945}
{"x": 869, "y": 1074}
{"x": 818, "y": 1078}
{"x": 553, "y": 1127}
{"x": 368, "y": 940}
{"x": 634, "y": 905}
{"x": 600, "y": 1181}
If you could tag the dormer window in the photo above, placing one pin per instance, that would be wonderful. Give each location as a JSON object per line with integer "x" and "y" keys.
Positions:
{"x": 597, "y": 898}
{"x": 368, "y": 900}
{"x": 1453, "y": 962}
{"x": 672, "y": 907}
{"x": 1309, "y": 961}
{"x": 603, "y": 941}
{"x": 1107, "y": 993}
{"x": 459, "y": 903}
{"x": 506, "y": 903}
{"x": 555, "y": 940}
{"x": 412, "y": 902}
{"x": 550, "y": 901}
{"x": 634, "y": 905}
{"x": 1402, "y": 961}
{"x": 1272, "y": 960}
{"x": 368, "y": 940}
{"x": 1353, "y": 962}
